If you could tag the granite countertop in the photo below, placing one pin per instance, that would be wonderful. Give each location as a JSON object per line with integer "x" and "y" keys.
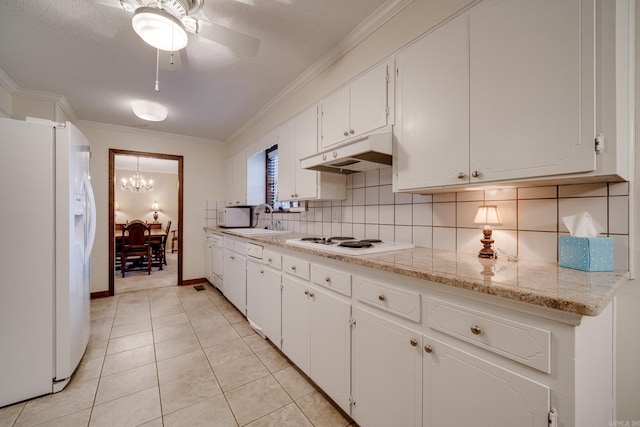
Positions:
{"x": 537, "y": 283}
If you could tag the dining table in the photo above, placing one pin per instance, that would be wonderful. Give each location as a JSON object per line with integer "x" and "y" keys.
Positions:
{"x": 156, "y": 238}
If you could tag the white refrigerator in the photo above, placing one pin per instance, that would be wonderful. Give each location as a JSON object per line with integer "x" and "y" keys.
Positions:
{"x": 47, "y": 216}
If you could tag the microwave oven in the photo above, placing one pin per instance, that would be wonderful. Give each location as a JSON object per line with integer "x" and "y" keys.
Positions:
{"x": 234, "y": 216}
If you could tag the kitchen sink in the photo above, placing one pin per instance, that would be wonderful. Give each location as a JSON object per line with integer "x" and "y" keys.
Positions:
{"x": 257, "y": 231}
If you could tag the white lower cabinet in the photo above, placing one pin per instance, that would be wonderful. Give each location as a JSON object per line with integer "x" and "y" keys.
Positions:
{"x": 271, "y": 305}
{"x": 316, "y": 336}
{"x": 463, "y": 390}
{"x": 235, "y": 279}
{"x": 387, "y": 372}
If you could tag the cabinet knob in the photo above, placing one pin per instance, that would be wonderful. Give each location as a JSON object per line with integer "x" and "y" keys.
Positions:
{"x": 327, "y": 279}
{"x": 324, "y": 157}
{"x": 261, "y": 271}
{"x": 475, "y": 174}
{"x": 413, "y": 342}
{"x": 428, "y": 348}
{"x": 335, "y": 154}
{"x": 269, "y": 260}
{"x": 475, "y": 330}
{"x": 381, "y": 297}
{"x": 311, "y": 294}
{"x": 232, "y": 257}
{"x": 351, "y": 131}
{"x": 306, "y": 292}
{"x": 293, "y": 267}
{"x": 461, "y": 175}
{"x": 346, "y": 133}
{"x": 293, "y": 195}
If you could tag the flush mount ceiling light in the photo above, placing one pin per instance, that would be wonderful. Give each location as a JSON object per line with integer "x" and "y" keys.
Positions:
{"x": 148, "y": 110}
{"x": 159, "y": 29}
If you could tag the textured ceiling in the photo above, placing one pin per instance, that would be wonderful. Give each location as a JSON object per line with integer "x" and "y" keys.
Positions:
{"x": 87, "y": 51}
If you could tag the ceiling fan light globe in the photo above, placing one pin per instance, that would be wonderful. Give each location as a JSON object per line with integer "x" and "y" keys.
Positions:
{"x": 150, "y": 111}
{"x": 159, "y": 29}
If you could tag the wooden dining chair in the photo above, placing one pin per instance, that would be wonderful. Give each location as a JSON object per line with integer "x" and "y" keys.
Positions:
{"x": 159, "y": 249}
{"x": 136, "y": 243}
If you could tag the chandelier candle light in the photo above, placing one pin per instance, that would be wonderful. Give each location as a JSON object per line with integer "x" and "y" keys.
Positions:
{"x": 487, "y": 215}
{"x": 155, "y": 207}
{"x": 136, "y": 183}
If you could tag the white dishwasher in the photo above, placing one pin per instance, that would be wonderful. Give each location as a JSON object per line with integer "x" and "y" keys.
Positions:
{"x": 215, "y": 242}
{"x": 255, "y": 270}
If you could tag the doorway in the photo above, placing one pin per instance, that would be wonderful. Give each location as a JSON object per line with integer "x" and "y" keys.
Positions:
{"x": 112, "y": 208}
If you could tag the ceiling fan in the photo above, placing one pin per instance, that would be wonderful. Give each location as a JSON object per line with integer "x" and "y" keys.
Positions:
{"x": 164, "y": 24}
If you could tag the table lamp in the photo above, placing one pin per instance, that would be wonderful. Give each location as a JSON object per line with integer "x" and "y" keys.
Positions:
{"x": 155, "y": 207}
{"x": 487, "y": 215}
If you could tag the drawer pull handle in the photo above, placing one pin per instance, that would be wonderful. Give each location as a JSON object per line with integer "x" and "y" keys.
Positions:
{"x": 311, "y": 294}
{"x": 293, "y": 267}
{"x": 346, "y": 133}
{"x": 413, "y": 342}
{"x": 306, "y": 292}
{"x": 261, "y": 271}
{"x": 381, "y": 297}
{"x": 475, "y": 330}
{"x": 269, "y": 260}
{"x": 327, "y": 279}
{"x": 428, "y": 348}
{"x": 232, "y": 257}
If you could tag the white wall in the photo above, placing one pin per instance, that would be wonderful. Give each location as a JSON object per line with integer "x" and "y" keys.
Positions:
{"x": 203, "y": 180}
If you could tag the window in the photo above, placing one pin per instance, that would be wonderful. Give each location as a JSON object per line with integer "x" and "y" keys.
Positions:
{"x": 271, "y": 187}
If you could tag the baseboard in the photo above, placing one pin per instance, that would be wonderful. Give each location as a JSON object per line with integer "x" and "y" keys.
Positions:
{"x": 101, "y": 294}
{"x": 194, "y": 281}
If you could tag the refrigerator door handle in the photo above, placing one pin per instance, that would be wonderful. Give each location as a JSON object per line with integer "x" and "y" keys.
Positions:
{"x": 91, "y": 201}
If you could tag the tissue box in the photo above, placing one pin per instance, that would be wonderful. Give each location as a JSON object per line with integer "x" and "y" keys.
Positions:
{"x": 586, "y": 253}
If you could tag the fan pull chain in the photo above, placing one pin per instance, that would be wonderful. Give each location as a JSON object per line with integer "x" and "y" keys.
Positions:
{"x": 157, "y": 70}
{"x": 172, "y": 63}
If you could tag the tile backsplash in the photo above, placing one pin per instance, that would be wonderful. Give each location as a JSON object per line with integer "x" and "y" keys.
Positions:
{"x": 531, "y": 216}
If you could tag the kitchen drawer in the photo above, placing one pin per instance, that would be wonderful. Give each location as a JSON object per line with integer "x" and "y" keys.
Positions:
{"x": 240, "y": 247}
{"x": 333, "y": 279}
{"x": 397, "y": 301}
{"x": 515, "y": 340}
{"x": 272, "y": 259}
{"x": 296, "y": 267}
{"x": 228, "y": 243}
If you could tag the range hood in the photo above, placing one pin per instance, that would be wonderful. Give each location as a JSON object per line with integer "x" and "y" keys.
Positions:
{"x": 366, "y": 153}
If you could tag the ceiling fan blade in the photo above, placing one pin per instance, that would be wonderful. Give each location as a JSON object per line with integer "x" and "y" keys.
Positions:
{"x": 240, "y": 43}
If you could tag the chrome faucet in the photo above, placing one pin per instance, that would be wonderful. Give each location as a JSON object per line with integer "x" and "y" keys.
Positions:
{"x": 265, "y": 206}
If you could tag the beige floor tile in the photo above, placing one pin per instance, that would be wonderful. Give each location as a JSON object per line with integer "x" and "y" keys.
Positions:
{"x": 125, "y": 329}
{"x": 96, "y": 349}
{"x": 129, "y": 342}
{"x": 227, "y": 351}
{"x": 273, "y": 359}
{"x": 202, "y": 415}
{"x": 226, "y": 307}
{"x": 183, "y": 365}
{"x": 153, "y": 423}
{"x": 289, "y": 416}
{"x": 176, "y": 347}
{"x": 212, "y": 321}
{"x": 131, "y": 410}
{"x": 296, "y": 384}
{"x": 256, "y": 399}
{"x": 216, "y": 297}
{"x": 9, "y": 414}
{"x": 77, "y": 419}
{"x": 239, "y": 372}
{"x": 187, "y": 390}
{"x": 75, "y": 397}
{"x": 100, "y": 332}
{"x": 133, "y": 307}
{"x": 162, "y": 310}
{"x": 195, "y": 301}
{"x": 172, "y": 332}
{"x": 234, "y": 317}
{"x": 128, "y": 359}
{"x": 256, "y": 342}
{"x": 243, "y": 329}
{"x": 127, "y": 382}
{"x": 89, "y": 369}
{"x": 202, "y": 312}
{"x": 172, "y": 320}
{"x": 103, "y": 313}
{"x": 216, "y": 336}
{"x": 133, "y": 317}
{"x": 320, "y": 411}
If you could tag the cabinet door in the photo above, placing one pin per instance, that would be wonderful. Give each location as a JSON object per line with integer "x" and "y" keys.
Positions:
{"x": 368, "y": 104}
{"x": 295, "y": 322}
{"x": 287, "y": 162}
{"x": 461, "y": 389}
{"x": 208, "y": 260}
{"x": 228, "y": 182}
{"x": 271, "y": 305}
{"x": 331, "y": 346}
{"x": 432, "y": 106}
{"x": 532, "y": 88}
{"x": 335, "y": 118}
{"x": 387, "y": 368}
{"x": 306, "y": 144}
{"x": 239, "y": 178}
{"x": 235, "y": 279}
{"x": 255, "y": 291}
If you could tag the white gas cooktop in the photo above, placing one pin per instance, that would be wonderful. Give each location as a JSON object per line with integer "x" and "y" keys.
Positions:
{"x": 338, "y": 245}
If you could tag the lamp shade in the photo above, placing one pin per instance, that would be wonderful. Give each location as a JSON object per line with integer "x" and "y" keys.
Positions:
{"x": 487, "y": 215}
{"x": 155, "y": 206}
{"x": 159, "y": 29}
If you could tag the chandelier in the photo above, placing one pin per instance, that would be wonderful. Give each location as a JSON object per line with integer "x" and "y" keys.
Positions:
{"x": 136, "y": 183}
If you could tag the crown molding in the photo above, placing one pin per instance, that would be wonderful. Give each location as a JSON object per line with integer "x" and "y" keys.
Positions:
{"x": 351, "y": 40}
{"x": 39, "y": 95}
{"x": 6, "y": 82}
{"x": 141, "y": 131}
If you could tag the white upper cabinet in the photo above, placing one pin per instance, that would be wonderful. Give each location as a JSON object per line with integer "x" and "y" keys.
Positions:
{"x": 298, "y": 138}
{"x": 515, "y": 90}
{"x": 236, "y": 179}
{"x": 358, "y": 108}
{"x": 532, "y": 88}
{"x": 433, "y": 106}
